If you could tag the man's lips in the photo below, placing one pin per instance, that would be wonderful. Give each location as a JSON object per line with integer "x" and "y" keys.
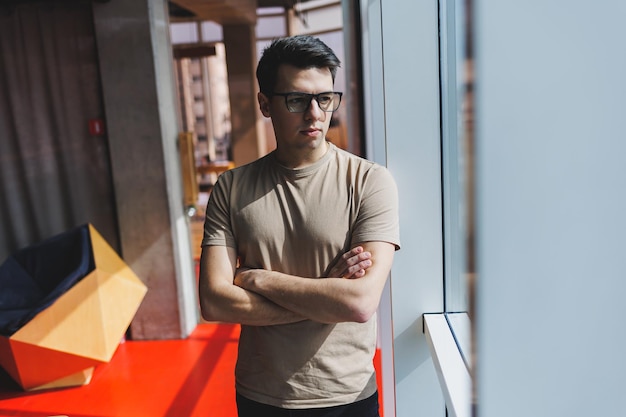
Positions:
{"x": 311, "y": 131}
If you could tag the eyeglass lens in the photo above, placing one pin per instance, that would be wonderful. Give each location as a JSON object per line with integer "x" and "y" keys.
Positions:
{"x": 300, "y": 102}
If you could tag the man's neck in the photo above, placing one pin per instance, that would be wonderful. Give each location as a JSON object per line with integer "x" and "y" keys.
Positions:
{"x": 302, "y": 158}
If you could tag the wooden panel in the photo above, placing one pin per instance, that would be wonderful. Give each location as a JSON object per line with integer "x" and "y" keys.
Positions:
{"x": 188, "y": 166}
{"x": 221, "y": 11}
{"x": 194, "y": 51}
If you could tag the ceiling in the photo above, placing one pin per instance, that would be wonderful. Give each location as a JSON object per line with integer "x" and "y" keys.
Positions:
{"x": 222, "y": 11}
{"x": 219, "y": 11}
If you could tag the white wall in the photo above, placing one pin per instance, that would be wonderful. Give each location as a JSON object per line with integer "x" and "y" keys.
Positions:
{"x": 402, "y": 107}
{"x": 551, "y": 183}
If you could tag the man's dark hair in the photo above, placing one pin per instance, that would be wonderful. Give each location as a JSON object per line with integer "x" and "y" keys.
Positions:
{"x": 301, "y": 51}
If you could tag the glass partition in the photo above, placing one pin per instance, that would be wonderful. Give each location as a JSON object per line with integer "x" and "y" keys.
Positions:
{"x": 457, "y": 165}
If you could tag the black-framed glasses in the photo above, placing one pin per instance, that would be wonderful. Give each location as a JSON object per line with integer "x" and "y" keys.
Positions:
{"x": 328, "y": 101}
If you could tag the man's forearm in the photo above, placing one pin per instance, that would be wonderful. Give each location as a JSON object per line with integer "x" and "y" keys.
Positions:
{"x": 315, "y": 299}
{"x": 220, "y": 300}
{"x": 238, "y": 305}
{"x": 327, "y": 300}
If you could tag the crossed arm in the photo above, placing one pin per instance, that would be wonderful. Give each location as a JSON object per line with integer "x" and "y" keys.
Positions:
{"x": 351, "y": 292}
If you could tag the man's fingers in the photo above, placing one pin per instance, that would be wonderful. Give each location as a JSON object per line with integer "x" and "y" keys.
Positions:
{"x": 352, "y": 252}
{"x": 358, "y": 268}
{"x": 359, "y": 274}
{"x": 356, "y": 258}
{"x": 352, "y": 264}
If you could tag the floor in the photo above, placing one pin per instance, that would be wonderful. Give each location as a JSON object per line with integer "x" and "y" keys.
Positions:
{"x": 173, "y": 378}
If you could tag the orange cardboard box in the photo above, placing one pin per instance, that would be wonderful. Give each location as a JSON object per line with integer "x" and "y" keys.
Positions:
{"x": 82, "y": 328}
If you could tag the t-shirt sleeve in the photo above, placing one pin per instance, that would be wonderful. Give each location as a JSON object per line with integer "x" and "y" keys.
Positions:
{"x": 218, "y": 229}
{"x": 377, "y": 218}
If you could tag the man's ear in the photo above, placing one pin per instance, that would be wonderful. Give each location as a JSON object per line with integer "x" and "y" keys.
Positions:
{"x": 264, "y": 104}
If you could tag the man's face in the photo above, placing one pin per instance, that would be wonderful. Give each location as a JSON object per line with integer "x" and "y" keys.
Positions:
{"x": 306, "y": 130}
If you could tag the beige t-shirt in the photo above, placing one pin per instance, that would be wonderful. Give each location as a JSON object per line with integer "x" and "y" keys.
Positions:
{"x": 297, "y": 221}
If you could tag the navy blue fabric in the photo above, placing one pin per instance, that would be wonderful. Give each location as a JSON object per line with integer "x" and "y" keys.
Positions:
{"x": 364, "y": 408}
{"x": 34, "y": 277}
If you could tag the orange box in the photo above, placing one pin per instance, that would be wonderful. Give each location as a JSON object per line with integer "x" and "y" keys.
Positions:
{"x": 82, "y": 328}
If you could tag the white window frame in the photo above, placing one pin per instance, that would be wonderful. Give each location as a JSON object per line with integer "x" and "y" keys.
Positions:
{"x": 401, "y": 72}
{"x": 452, "y": 371}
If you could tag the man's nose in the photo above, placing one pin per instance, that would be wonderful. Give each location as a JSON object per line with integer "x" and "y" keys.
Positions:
{"x": 314, "y": 110}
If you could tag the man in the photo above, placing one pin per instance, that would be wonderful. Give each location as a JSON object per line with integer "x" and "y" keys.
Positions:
{"x": 297, "y": 248}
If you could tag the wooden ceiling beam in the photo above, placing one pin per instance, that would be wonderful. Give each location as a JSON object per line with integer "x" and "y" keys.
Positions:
{"x": 224, "y": 12}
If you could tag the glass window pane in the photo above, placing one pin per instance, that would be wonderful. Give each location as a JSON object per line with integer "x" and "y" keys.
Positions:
{"x": 185, "y": 32}
{"x": 457, "y": 173}
{"x": 271, "y": 27}
{"x": 211, "y": 32}
{"x": 262, "y": 11}
{"x": 454, "y": 157}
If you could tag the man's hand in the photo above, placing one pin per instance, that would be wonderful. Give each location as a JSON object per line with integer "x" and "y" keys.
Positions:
{"x": 244, "y": 276}
{"x": 260, "y": 298}
{"x": 350, "y": 292}
{"x": 351, "y": 264}
{"x": 220, "y": 300}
